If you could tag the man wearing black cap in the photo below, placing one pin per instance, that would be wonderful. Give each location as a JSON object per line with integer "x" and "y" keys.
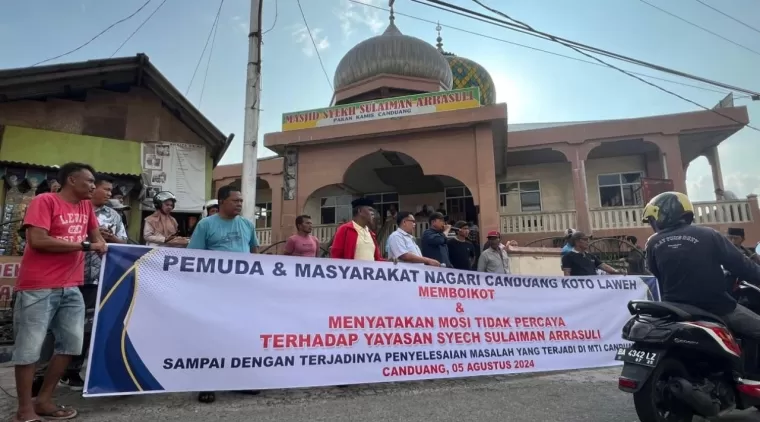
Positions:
{"x": 494, "y": 259}
{"x": 355, "y": 240}
{"x": 736, "y": 236}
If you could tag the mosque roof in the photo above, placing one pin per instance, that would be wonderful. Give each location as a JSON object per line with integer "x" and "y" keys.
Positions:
{"x": 468, "y": 73}
{"x": 392, "y": 53}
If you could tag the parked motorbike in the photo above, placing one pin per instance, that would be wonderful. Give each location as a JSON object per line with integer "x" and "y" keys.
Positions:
{"x": 685, "y": 362}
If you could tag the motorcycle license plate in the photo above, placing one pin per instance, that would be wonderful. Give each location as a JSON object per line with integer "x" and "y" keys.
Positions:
{"x": 639, "y": 357}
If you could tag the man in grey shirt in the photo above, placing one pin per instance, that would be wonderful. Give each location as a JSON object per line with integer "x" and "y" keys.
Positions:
{"x": 495, "y": 258}
{"x": 401, "y": 243}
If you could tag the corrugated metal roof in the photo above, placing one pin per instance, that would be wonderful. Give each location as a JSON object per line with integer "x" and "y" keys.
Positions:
{"x": 61, "y": 79}
{"x": 55, "y": 168}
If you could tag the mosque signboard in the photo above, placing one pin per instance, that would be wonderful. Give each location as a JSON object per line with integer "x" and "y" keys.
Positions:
{"x": 385, "y": 108}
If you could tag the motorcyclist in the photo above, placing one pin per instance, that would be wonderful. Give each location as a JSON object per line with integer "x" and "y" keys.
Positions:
{"x": 210, "y": 208}
{"x": 688, "y": 262}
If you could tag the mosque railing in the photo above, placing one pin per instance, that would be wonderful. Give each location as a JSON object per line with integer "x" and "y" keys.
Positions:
{"x": 722, "y": 212}
{"x": 706, "y": 212}
{"x": 264, "y": 235}
{"x": 616, "y": 218}
{"x": 324, "y": 232}
{"x": 538, "y": 222}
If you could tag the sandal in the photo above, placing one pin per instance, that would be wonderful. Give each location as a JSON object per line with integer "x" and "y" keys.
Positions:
{"x": 207, "y": 397}
{"x": 61, "y": 413}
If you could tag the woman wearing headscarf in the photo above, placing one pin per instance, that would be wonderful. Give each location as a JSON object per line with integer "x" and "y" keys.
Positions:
{"x": 160, "y": 227}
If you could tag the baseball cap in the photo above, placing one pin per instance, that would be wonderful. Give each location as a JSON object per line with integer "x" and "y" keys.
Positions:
{"x": 493, "y": 233}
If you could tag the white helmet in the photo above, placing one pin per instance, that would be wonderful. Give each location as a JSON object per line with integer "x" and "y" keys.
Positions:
{"x": 210, "y": 204}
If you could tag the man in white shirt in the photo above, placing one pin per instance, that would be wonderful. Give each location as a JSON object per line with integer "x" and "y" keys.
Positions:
{"x": 403, "y": 246}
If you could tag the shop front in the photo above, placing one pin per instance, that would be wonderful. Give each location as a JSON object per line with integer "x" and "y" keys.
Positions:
{"x": 29, "y": 161}
{"x": 120, "y": 115}
{"x": 9, "y": 266}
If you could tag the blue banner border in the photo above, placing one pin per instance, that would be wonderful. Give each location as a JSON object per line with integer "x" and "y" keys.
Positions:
{"x": 114, "y": 365}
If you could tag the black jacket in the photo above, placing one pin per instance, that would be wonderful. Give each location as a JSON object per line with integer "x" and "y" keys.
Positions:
{"x": 433, "y": 245}
{"x": 687, "y": 262}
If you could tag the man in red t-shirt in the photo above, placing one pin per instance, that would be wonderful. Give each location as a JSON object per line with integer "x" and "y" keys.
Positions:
{"x": 60, "y": 228}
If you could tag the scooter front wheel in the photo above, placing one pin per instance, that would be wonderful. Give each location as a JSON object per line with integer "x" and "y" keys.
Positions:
{"x": 655, "y": 403}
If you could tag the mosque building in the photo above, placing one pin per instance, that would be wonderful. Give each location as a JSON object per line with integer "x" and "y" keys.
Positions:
{"x": 412, "y": 125}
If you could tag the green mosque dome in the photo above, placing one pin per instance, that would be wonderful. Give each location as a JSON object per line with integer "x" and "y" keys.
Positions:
{"x": 469, "y": 74}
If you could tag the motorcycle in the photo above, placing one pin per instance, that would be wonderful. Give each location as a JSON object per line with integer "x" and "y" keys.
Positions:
{"x": 684, "y": 362}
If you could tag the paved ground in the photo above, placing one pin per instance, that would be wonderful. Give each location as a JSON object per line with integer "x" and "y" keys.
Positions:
{"x": 566, "y": 397}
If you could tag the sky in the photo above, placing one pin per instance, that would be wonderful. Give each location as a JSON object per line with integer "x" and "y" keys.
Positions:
{"x": 537, "y": 87}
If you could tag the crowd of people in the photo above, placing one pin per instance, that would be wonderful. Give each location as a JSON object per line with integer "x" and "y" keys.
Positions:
{"x": 441, "y": 244}
{"x": 69, "y": 229}
{"x": 444, "y": 245}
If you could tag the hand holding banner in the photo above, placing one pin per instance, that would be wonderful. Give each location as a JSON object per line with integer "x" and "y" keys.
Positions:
{"x": 173, "y": 320}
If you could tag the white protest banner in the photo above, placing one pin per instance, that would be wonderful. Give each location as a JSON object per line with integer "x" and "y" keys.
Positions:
{"x": 173, "y": 320}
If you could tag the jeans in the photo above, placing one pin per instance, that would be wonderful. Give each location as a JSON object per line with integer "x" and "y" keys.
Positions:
{"x": 36, "y": 311}
{"x": 744, "y": 322}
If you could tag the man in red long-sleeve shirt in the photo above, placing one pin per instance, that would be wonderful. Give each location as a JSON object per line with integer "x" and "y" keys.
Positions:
{"x": 354, "y": 240}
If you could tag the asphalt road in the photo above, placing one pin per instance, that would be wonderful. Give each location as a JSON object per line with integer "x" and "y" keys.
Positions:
{"x": 566, "y": 397}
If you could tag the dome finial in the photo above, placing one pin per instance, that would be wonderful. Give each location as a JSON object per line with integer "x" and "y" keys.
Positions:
{"x": 439, "y": 39}
{"x": 390, "y": 5}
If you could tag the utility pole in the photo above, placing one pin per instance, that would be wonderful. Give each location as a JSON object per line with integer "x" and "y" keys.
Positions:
{"x": 252, "y": 104}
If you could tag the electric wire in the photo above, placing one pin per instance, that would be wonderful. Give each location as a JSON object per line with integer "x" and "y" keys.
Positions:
{"x": 311, "y": 37}
{"x": 139, "y": 27}
{"x": 471, "y": 14}
{"x": 111, "y": 26}
{"x": 740, "y": 45}
{"x": 525, "y": 25}
{"x": 208, "y": 39}
{"x": 208, "y": 63}
{"x": 729, "y": 16}
{"x": 467, "y": 31}
{"x": 276, "y": 13}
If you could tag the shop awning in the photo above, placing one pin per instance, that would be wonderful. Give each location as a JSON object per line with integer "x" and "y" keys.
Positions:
{"x": 47, "y": 148}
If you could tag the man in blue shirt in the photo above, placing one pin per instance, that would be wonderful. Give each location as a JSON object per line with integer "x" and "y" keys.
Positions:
{"x": 225, "y": 231}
